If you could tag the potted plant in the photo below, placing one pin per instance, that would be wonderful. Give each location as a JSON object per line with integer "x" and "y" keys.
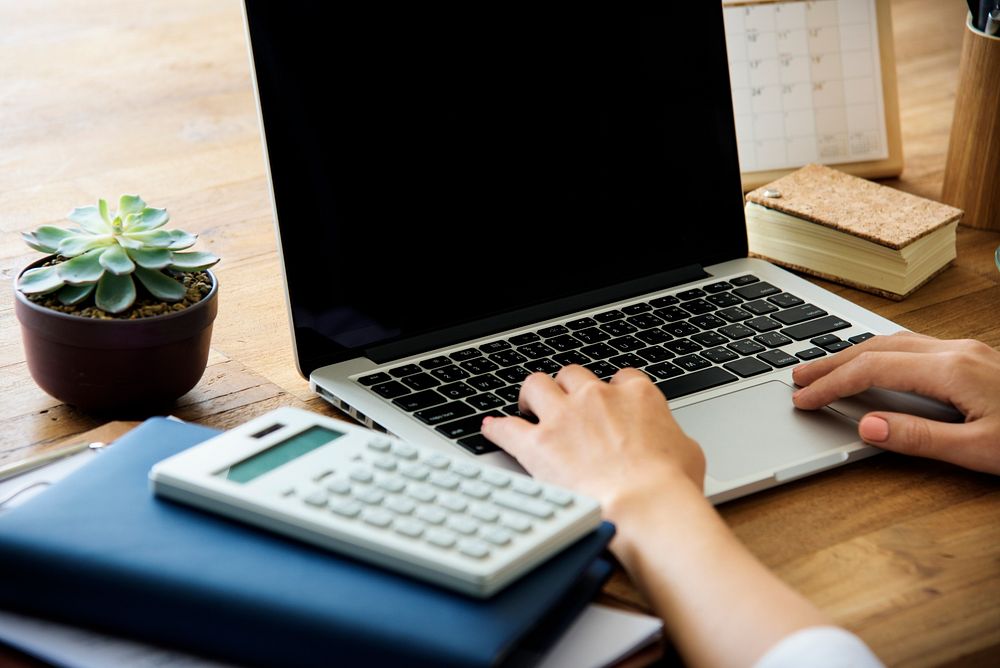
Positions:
{"x": 116, "y": 318}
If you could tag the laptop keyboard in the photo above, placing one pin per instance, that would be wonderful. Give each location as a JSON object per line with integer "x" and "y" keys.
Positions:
{"x": 691, "y": 341}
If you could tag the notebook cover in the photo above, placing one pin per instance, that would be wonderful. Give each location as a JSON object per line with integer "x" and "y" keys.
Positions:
{"x": 100, "y": 550}
{"x": 862, "y": 208}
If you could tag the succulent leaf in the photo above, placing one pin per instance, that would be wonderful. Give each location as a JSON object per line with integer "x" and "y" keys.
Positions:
{"x": 46, "y": 238}
{"x": 128, "y": 204}
{"x": 182, "y": 239}
{"x": 192, "y": 261}
{"x": 126, "y": 242}
{"x": 117, "y": 261}
{"x": 160, "y": 285}
{"x": 74, "y": 294}
{"x": 151, "y": 258}
{"x": 114, "y": 293}
{"x": 84, "y": 268}
{"x": 102, "y": 208}
{"x": 90, "y": 219}
{"x": 152, "y": 239}
{"x": 146, "y": 220}
{"x": 40, "y": 280}
{"x": 77, "y": 244}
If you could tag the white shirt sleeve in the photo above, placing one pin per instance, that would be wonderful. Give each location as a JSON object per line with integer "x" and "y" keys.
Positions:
{"x": 820, "y": 647}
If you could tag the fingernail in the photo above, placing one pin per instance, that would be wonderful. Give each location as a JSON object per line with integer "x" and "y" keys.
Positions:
{"x": 874, "y": 429}
{"x": 796, "y": 393}
{"x": 487, "y": 420}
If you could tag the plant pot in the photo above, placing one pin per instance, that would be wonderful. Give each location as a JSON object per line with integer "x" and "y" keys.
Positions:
{"x": 123, "y": 367}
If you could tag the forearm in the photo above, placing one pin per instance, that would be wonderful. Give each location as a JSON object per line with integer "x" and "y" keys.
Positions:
{"x": 721, "y": 606}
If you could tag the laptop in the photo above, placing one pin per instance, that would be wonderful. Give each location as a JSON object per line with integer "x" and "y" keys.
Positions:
{"x": 461, "y": 200}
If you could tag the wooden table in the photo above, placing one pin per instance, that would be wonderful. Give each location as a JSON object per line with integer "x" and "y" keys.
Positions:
{"x": 109, "y": 97}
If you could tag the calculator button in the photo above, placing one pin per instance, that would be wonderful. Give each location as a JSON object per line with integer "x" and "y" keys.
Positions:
{"x": 400, "y": 504}
{"x": 385, "y": 463}
{"x": 393, "y": 485}
{"x": 379, "y": 444}
{"x": 362, "y": 475}
{"x": 339, "y": 486}
{"x": 422, "y": 493}
{"x": 518, "y": 502}
{"x": 346, "y": 507}
{"x": 526, "y": 486}
{"x": 408, "y": 527}
{"x": 438, "y": 461}
{"x": 453, "y": 502}
{"x": 466, "y": 469}
{"x": 484, "y": 513}
{"x": 462, "y": 524}
{"x": 440, "y": 537}
{"x": 496, "y": 535}
{"x": 431, "y": 515}
{"x": 475, "y": 489}
{"x": 496, "y": 478}
{"x": 317, "y": 498}
{"x": 370, "y": 496}
{"x": 476, "y": 549}
{"x": 404, "y": 450}
{"x": 516, "y": 522}
{"x": 415, "y": 471}
{"x": 558, "y": 497}
{"x": 377, "y": 517}
{"x": 444, "y": 480}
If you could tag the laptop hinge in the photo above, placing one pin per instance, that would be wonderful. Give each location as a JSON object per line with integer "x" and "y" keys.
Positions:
{"x": 415, "y": 345}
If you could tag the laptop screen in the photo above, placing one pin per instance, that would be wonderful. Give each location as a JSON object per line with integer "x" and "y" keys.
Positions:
{"x": 431, "y": 171}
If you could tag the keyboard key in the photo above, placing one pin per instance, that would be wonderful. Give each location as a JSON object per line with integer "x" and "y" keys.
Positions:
{"x": 759, "y": 307}
{"x": 404, "y": 370}
{"x": 635, "y": 309}
{"x": 690, "y": 294}
{"x": 720, "y": 286}
{"x": 746, "y": 347}
{"x": 409, "y": 528}
{"x": 824, "y": 325}
{"x": 369, "y": 496}
{"x": 438, "y": 461}
{"x": 484, "y": 402}
{"x": 723, "y": 300}
{"x": 564, "y": 342}
{"x": 810, "y": 353}
{"x": 558, "y": 497}
{"x": 602, "y": 369}
{"x": 435, "y": 362}
{"x": 671, "y": 313}
{"x": 425, "y": 494}
{"x": 476, "y": 549}
{"x": 509, "y": 393}
{"x": 772, "y": 339}
{"x": 523, "y": 504}
{"x": 466, "y": 469}
{"x": 543, "y": 365}
{"x": 338, "y": 486}
{"x": 661, "y": 302}
{"x": 794, "y": 316}
{"x": 486, "y": 382}
{"x": 431, "y": 514}
{"x": 598, "y": 351}
{"x": 825, "y": 340}
{"x": 377, "y": 517}
{"x": 316, "y": 498}
{"x": 735, "y": 314}
{"x": 508, "y": 358}
{"x": 479, "y": 365}
{"x": 484, "y": 513}
{"x": 746, "y": 279}
{"x": 453, "y": 502}
{"x": 653, "y": 336}
{"x": 515, "y": 411}
{"x": 445, "y": 412}
{"x": 518, "y": 523}
{"x": 554, "y": 330}
{"x": 457, "y": 390}
{"x": 619, "y": 328}
{"x": 778, "y": 358}
{"x": 719, "y": 355}
{"x": 440, "y": 537}
{"x": 415, "y": 402}
{"x": 581, "y": 323}
{"x": 762, "y": 324}
{"x": 571, "y": 357}
{"x": 526, "y": 486}
{"x": 837, "y": 346}
{"x": 496, "y": 478}
{"x": 785, "y": 300}
{"x": 514, "y": 374}
{"x": 626, "y": 344}
{"x": 736, "y": 331}
{"x": 608, "y": 316}
{"x": 628, "y": 360}
{"x": 682, "y": 346}
{"x": 477, "y": 445}
{"x": 444, "y": 480}
{"x": 475, "y": 489}
{"x": 756, "y": 290}
{"x": 361, "y": 474}
{"x": 860, "y": 338}
{"x": 346, "y": 507}
{"x": 404, "y": 451}
{"x": 494, "y": 347}
{"x": 644, "y": 321}
{"x": 592, "y": 335}
{"x": 450, "y": 374}
{"x": 497, "y": 536}
{"x": 710, "y": 339}
{"x": 467, "y": 354}
{"x": 664, "y": 370}
{"x": 390, "y": 390}
{"x": 535, "y": 350}
{"x": 374, "y": 379}
{"x": 654, "y": 354}
{"x": 393, "y": 486}
{"x": 690, "y": 383}
{"x": 708, "y": 321}
{"x": 697, "y": 306}
{"x": 680, "y": 329}
{"x": 420, "y": 381}
{"x": 521, "y": 339}
{"x": 692, "y": 362}
{"x": 748, "y": 366}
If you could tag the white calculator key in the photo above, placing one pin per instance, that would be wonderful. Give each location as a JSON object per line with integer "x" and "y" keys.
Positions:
{"x": 415, "y": 471}
{"x": 484, "y": 512}
{"x": 440, "y": 537}
{"x": 496, "y": 478}
{"x": 496, "y": 535}
{"x": 394, "y": 485}
{"x": 346, "y": 507}
{"x": 438, "y": 461}
{"x": 361, "y": 474}
{"x": 525, "y": 505}
{"x": 557, "y": 496}
{"x": 475, "y": 489}
{"x": 400, "y": 504}
{"x": 453, "y": 502}
{"x": 376, "y": 517}
{"x": 466, "y": 469}
{"x": 339, "y": 486}
{"x": 422, "y": 493}
{"x": 526, "y": 486}
{"x": 408, "y": 527}
{"x": 516, "y": 522}
{"x": 372, "y": 497}
{"x": 473, "y": 548}
{"x": 316, "y": 498}
{"x": 462, "y": 524}
{"x": 386, "y": 463}
{"x": 431, "y": 515}
{"x": 444, "y": 480}
{"x": 380, "y": 444}
{"x": 404, "y": 450}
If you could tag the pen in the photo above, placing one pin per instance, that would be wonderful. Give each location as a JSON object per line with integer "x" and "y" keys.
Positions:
{"x": 17, "y": 468}
{"x": 982, "y": 16}
{"x": 993, "y": 23}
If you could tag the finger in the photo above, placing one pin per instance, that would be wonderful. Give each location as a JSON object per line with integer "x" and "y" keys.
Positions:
{"x": 906, "y": 372}
{"x": 806, "y": 374}
{"x": 539, "y": 394}
{"x": 627, "y": 375}
{"x": 963, "y": 443}
{"x": 571, "y": 377}
{"x": 509, "y": 433}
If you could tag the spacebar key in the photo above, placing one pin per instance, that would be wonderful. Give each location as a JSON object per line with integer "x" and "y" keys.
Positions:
{"x": 695, "y": 382}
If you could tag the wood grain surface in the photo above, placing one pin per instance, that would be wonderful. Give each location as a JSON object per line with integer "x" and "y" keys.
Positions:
{"x": 105, "y": 97}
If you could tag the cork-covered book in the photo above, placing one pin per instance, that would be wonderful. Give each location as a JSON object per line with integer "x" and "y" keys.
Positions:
{"x": 852, "y": 231}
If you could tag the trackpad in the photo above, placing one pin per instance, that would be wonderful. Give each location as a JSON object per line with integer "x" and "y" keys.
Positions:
{"x": 759, "y": 430}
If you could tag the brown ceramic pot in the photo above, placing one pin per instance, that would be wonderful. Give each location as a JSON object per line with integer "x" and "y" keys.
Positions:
{"x": 119, "y": 367}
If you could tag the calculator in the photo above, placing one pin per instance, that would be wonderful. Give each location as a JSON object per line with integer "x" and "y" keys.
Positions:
{"x": 439, "y": 517}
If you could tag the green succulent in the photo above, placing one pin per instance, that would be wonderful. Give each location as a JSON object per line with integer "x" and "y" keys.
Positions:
{"x": 106, "y": 250}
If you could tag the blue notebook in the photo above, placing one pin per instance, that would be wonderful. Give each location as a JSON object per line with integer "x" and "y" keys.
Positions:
{"x": 100, "y": 550}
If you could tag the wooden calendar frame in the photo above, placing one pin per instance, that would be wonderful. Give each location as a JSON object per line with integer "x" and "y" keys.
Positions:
{"x": 890, "y": 166}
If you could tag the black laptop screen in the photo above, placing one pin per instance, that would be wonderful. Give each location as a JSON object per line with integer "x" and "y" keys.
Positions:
{"x": 434, "y": 171}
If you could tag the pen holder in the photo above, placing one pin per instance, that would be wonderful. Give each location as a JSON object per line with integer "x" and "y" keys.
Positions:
{"x": 972, "y": 171}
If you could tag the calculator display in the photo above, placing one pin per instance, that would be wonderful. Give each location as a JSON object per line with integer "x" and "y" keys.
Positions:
{"x": 279, "y": 454}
